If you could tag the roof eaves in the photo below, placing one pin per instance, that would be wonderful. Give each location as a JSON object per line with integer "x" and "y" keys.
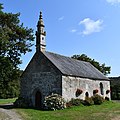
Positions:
{"x": 107, "y": 79}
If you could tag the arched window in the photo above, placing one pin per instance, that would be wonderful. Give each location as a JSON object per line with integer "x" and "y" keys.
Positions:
{"x": 101, "y": 89}
{"x": 42, "y": 38}
{"x": 86, "y": 94}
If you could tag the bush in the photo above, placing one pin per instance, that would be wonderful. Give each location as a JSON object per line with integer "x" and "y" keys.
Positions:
{"x": 107, "y": 98}
{"x": 97, "y": 99}
{"x": 76, "y": 102}
{"x": 68, "y": 105}
{"x": 54, "y": 102}
{"x": 78, "y": 92}
{"x": 22, "y": 103}
{"x": 95, "y": 91}
{"x": 88, "y": 101}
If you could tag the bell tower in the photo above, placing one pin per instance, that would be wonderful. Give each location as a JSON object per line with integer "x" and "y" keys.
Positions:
{"x": 40, "y": 35}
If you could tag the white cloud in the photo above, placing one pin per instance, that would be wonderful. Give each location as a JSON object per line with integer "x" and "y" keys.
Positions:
{"x": 61, "y": 18}
{"x": 73, "y": 30}
{"x": 91, "y": 26}
{"x": 113, "y": 1}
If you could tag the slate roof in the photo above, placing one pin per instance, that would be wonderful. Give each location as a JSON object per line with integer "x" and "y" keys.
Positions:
{"x": 72, "y": 67}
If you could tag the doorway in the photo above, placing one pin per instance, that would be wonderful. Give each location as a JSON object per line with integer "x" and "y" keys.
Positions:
{"x": 38, "y": 99}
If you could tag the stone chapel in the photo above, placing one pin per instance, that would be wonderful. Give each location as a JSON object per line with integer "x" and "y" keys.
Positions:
{"x": 49, "y": 73}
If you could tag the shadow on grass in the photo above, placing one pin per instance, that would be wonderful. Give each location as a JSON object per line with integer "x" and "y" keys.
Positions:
{"x": 11, "y": 106}
{"x": 7, "y": 106}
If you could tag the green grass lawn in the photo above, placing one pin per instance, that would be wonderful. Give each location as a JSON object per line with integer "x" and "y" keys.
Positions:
{"x": 6, "y": 101}
{"x": 106, "y": 111}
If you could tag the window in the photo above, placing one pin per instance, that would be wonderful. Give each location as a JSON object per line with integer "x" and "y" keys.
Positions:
{"x": 42, "y": 38}
{"x": 101, "y": 89}
{"x": 87, "y": 94}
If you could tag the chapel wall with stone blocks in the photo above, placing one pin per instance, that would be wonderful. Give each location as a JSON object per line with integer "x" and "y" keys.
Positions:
{"x": 71, "y": 84}
{"x": 41, "y": 75}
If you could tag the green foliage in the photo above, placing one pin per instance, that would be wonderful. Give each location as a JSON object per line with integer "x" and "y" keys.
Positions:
{"x": 22, "y": 103}
{"x": 1, "y": 7}
{"x": 15, "y": 40}
{"x": 115, "y": 91}
{"x": 101, "y": 67}
{"x": 54, "y": 102}
{"x": 98, "y": 100}
{"x": 88, "y": 101}
{"x": 75, "y": 102}
{"x": 7, "y": 101}
{"x": 94, "y": 100}
{"x": 9, "y": 82}
{"x": 107, "y": 98}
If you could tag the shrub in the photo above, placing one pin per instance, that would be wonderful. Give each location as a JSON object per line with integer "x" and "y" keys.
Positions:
{"x": 22, "y": 103}
{"x": 76, "y": 102}
{"x": 95, "y": 91}
{"x": 78, "y": 92}
{"x": 54, "y": 102}
{"x": 97, "y": 99}
{"x": 88, "y": 101}
{"x": 68, "y": 105}
{"x": 107, "y": 98}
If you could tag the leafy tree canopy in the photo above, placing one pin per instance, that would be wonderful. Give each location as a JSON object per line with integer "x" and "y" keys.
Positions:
{"x": 15, "y": 40}
{"x": 101, "y": 67}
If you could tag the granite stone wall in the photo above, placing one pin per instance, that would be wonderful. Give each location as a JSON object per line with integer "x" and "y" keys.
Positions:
{"x": 40, "y": 75}
{"x": 71, "y": 84}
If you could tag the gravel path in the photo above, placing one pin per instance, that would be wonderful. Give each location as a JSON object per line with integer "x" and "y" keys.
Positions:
{"x": 8, "y": 114}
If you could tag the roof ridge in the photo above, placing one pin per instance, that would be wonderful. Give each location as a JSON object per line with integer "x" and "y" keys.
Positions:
{"x": 66, "y": 57}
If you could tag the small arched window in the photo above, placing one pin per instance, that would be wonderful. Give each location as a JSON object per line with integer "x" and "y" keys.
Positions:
{"x": 101, "y": 88}
{"x": 42, "y": 38}
{"x": 87, "y": 94}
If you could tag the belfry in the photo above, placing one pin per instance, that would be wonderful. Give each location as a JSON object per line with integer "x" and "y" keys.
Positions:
{"x": 40, "y": 35}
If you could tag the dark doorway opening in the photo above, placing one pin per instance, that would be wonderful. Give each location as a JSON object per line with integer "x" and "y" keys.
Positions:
{"x": 38, "y": 99}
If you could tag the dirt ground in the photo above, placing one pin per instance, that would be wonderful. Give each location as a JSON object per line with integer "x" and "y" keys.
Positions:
{"x": 7, "y": 113}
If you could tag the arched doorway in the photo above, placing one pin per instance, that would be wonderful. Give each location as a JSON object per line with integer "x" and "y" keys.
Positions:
{"x": 38, "y": 99}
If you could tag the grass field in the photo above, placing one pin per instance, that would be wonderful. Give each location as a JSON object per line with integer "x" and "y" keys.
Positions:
{"x": 6, "y": 101}
{"x": 106, "y": 111}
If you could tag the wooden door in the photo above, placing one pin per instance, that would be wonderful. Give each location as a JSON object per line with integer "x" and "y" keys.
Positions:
{"x": 38, "y": 99}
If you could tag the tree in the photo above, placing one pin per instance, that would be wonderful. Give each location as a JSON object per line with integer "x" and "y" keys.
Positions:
{"x": 101, "y": 67}
{"x": 15, "y": 40}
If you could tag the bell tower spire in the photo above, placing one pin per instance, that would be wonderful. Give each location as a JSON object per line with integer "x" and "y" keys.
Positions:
{"x": 40, "y": 35}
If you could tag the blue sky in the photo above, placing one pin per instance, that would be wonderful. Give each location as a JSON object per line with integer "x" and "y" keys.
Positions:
{"x": 73, "y": 27}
